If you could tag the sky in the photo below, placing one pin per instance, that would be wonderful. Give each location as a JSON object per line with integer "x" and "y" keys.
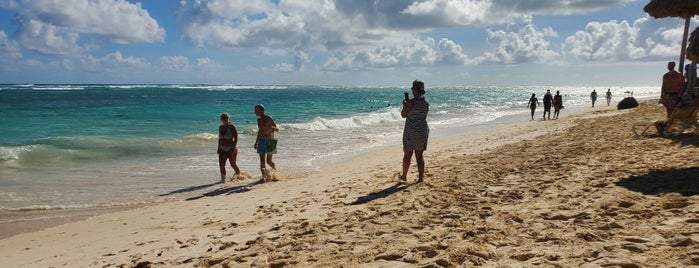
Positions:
{"x": 602, "y": 43}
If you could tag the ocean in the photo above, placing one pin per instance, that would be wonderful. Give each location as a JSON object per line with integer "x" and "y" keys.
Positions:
{"x": 68, "y": 147}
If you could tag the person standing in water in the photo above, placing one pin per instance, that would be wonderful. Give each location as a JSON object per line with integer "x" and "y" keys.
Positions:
{"x": 548, "y": 101}
{"x": 416, "y": 131}
{"x": 264, "y": 143}
{"x": 609, "y": 96}
{"x": 593, "y": 97}
{"x": 227, "y": 146}
{"x": 557, "y": 104}
{"x": 533, "y": 101}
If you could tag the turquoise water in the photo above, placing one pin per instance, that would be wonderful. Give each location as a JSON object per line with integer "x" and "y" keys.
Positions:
{"x": 73, "y": 146}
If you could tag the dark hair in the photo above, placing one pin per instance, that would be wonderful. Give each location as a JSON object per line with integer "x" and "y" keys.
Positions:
{"x": 420, "y": 86}
{"x": 259, "y": 106}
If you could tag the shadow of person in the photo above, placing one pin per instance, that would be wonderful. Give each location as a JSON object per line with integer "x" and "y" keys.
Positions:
{"x": 226, "y": 190}
{"x": 686, "y": 139}
{"x": 683, "y": 181}
{"x": 190, "y": 189}
{"x": 381, "y": 194}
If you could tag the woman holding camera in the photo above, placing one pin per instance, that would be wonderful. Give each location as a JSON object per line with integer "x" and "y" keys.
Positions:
{"x": 416, "y": 131}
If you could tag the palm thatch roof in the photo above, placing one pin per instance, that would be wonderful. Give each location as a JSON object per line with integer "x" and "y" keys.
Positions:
{"x": 672, "y": 8}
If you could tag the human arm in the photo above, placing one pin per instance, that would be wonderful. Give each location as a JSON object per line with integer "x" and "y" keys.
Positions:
{"x": 274, "y": 125}
{"x": 218, "y": 145}
{"x": 407, "y": 105}
{"x": 257, "y": 137}
{"x": 235, "y": 137}
{"x": 667, "y": 80}
{"x": 218, "y": 141}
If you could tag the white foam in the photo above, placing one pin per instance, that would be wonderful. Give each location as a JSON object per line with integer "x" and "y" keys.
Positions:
{"x": 361, "y": 120}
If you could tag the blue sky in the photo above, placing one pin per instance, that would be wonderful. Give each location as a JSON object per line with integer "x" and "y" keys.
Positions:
{"x": 336, "y": 42}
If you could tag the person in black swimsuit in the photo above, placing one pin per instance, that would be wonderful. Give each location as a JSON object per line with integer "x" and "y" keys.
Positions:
{"x": 533, "y": 101}
{"x": 227, "y": 146}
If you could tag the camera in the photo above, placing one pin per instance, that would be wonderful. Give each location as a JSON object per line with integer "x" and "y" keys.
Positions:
{"x": 407, "y": 97}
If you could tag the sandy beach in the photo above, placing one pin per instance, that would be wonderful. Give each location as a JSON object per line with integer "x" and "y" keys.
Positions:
{"x": 580, "y": 191}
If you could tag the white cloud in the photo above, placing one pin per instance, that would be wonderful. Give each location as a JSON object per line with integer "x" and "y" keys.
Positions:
{"x": 451, "y": 12}
{"x": 206, "y": 62}
{"x": 449, "y": 53}
{"x": 232, "y": 9}
{"x": 538, "y": 7}
{"x": 413, "y": 52}
{"x": 116, "y": 62}
{"x": 521, "y": 43}
{"x": 48, "y": 39}
{"x": 300, "y": 60}
{"x": 174, "y": 62}
{"x": 375, "y": 34}
{"x": 283, "y": 67}
{"x": 339, "y": 35}
{"x": 9, "y": 49}
{"x": 290, "y": 26}
{"x": 602, "y": 41}
{"x": 54, "y": 27}
{"x": 479, "y": 12}
{"x": 645, "y": 39}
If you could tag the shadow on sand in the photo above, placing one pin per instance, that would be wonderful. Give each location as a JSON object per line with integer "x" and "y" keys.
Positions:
{"x": 226, "y": 190}
{"x": 686, "y": 139}
{"x": 683, "y": 181}
{"x": 189, "y": 189}
{"x": 381, "y": 194}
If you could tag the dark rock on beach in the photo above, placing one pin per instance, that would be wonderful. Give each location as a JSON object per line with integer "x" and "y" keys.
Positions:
{"x": 627, "y": 103}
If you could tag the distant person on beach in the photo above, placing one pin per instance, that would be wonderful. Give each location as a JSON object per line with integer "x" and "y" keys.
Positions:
{"x": 533, "y": 101}
{"x": 416, "y": 130}
{"x": 264, "y": 141}
{"x": 609, "y": 96}
{"x": 593, "y": 97}
{"x": 548, "y": 101}
{"x": 227, "y": 146}
{"x": 671, "y": 89}
{"x": 557, "y": 104}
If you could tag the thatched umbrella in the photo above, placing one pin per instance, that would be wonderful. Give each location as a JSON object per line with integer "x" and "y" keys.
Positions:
{"x": 684, "y": 9}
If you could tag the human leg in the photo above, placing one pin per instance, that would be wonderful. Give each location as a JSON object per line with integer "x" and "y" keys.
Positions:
{"x": 407, "y": 155}
{"x": 232, "y": 158}
{"x": 270, "y": 162}
{"x": 222, "y": 165}
{"x": 420, "y": 165}
{"x": 263, "y": 168}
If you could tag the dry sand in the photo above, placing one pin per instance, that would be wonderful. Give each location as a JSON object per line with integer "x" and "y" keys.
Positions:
{"x": 578, "y": 191}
